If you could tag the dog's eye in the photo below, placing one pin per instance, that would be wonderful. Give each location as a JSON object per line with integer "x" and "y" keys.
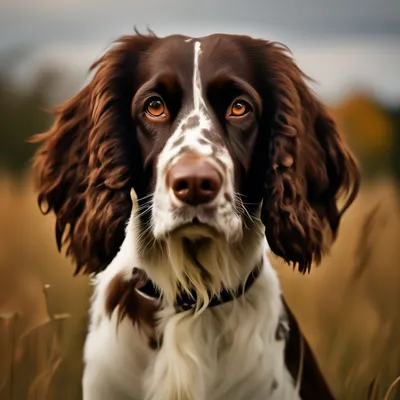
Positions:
{"x": 156, "y": 108}
{"x": 239, "y": 108}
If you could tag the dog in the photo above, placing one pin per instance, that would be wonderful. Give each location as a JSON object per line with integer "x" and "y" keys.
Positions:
{"x": 171, "y": 174}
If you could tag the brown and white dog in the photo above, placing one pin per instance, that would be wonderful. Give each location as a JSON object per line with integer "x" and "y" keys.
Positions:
{"x": 229, "y": 153}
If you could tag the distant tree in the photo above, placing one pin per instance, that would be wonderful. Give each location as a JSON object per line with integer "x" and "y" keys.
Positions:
{"x": 22, "y": 111}
{"x": 370, "y": 130}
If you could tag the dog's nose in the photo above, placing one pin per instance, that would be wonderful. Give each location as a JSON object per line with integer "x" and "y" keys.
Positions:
{"x": 194, "y": 181}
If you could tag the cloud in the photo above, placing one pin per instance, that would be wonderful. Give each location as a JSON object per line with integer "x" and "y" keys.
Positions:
{"x": 339, "y": 43}
{"x": 340, "y": 66}
{"x": 337, "y": 66}
{"x": 42, "y": 21}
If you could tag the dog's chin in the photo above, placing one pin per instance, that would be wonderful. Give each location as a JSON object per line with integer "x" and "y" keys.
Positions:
{"x": 195, "y": 231}
{"x": 192, "y": 226}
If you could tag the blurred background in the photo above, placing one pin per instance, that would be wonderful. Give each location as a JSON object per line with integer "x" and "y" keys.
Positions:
{"x": 349, "y": 307}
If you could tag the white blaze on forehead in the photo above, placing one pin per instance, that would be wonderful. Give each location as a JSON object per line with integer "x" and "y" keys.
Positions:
{"x": 193, "y": 134}
{"x": 198, "y": 99}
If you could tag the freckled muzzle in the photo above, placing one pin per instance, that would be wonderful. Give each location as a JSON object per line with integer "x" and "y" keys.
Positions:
{"x": 194, "y": 180}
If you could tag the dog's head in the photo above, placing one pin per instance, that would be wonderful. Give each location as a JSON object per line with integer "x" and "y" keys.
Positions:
{"x": 212, "y": 133}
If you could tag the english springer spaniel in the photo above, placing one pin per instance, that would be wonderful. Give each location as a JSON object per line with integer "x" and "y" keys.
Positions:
{"x": 229, "y": 154}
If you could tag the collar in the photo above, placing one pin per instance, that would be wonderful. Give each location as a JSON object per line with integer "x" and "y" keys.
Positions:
{"x": 188, "y": 301}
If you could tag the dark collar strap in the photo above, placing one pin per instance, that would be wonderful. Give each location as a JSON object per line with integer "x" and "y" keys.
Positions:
{"x": 186, "y": 301}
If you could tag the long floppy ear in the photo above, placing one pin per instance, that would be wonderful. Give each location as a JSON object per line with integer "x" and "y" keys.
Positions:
{"x": 83, "y": 167}
{"x": 309, "y": 166}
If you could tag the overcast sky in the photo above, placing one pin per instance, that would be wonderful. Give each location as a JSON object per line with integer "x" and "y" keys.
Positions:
{"x": 341, "y": 43}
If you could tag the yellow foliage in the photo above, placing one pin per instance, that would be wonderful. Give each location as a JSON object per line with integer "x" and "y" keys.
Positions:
{"x": 348, "y": 307}
{"x": 366, "y": 123}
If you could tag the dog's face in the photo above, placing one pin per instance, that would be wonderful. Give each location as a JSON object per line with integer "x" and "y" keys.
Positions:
{"x": 197, "y": 115}
{"x": 211, "y": 133}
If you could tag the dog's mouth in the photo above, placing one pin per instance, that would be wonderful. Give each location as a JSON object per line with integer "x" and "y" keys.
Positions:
{"x": 195, "y": 223}
{"x": 195, "y": 230}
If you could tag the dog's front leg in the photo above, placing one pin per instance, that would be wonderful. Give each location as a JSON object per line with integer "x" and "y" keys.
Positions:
{"x": 178, "y": 369}
{"x": 97, "y": 386}
{"x": 174, "y": 379}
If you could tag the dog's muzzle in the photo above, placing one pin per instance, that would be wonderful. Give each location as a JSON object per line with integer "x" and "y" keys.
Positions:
{"x": 194, "y": 180}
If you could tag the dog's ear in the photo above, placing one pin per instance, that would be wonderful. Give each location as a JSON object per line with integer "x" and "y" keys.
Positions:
{"x": 308, "y": 166}
{"x": 83, "y": 166}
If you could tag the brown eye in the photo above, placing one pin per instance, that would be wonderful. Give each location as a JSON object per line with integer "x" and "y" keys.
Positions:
{"x": 239, "y": 108}
{"x": 156, "y": 108}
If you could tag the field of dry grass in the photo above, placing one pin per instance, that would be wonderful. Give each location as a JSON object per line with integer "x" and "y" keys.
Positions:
{"x": 348, "y": 306}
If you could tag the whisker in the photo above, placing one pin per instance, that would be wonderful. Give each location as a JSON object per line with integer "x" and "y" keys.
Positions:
{"x": 146, "y": 197}
{"x": 149, "y": 243}
{"x": 146, "y": 203}
{"x": 143, "y": 212}
{"x": 145, "y": 231}
{"x": 240, "y": 205}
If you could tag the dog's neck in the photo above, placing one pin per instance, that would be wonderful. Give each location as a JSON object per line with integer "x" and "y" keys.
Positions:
{"x": 231, "y": 332}
{"x": 188, "y": 301}
{"x": 206, "y": 266}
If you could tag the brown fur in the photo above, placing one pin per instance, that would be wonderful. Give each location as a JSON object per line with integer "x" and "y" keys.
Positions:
{"x": 122, "y": 296}
{"x": 91, "y": 157}
{"x": 83, "y": 172}
{"x": 301, "y": 201}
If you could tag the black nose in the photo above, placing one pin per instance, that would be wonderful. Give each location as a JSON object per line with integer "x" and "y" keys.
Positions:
{"x": 194, "y": 181}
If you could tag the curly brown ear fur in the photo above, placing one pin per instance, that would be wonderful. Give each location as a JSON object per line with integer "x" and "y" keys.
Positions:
{"x": 309, "y": 166}
{"x": 83, "y": 167}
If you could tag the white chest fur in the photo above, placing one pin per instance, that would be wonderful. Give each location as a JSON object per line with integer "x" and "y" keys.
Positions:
{"x": 227, "y": 352}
